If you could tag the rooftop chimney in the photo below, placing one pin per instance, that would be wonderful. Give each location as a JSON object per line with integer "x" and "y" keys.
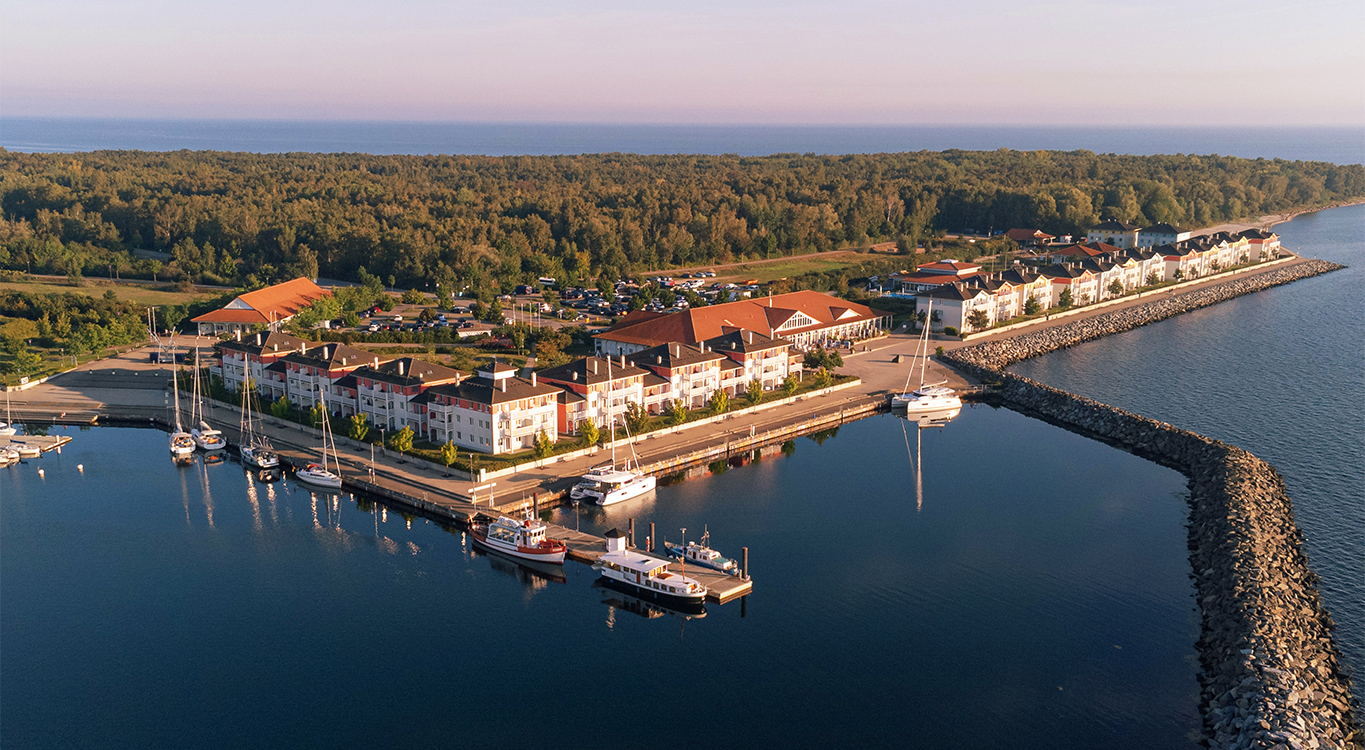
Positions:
{"x": 237, "y": 334}
{"x": 504, "y": 385}
{"x": 594, "y": 366}
{"x": 658, "y": 359}
{"x": 623, "y": 359}
{"x": 277, "y": 347}
{"x": 533, "y": 377}
{"x": 400, "y": 367}
{"x": 575, "y": 375}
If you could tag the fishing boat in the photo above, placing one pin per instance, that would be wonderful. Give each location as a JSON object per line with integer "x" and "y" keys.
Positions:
{"x": 930, "y": 397}
{"x": 7, "y": 426}
{"x": 322, "y": 475}
{"x": 182, "y": 443}
{"x": 646, "y": 576}
{"x": 700, "y": 553}
{"x": 524, "y": 539}
{"x": 255, "y": 447}
{"x": 203, "y": 435}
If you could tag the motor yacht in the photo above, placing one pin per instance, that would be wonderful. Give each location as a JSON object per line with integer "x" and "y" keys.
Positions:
{"x": 525, "y": 539}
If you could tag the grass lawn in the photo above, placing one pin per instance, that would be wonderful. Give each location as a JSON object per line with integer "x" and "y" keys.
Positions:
{"x": 141, "y": 295}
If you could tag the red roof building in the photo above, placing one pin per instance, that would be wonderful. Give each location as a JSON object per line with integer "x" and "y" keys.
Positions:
{"x": 271, "y": 305}
{"x": 804, "y": 318}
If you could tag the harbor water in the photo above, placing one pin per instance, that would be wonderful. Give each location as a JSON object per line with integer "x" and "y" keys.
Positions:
{"x": 1278, "y": 373}
{"x": 1025, "y": 587}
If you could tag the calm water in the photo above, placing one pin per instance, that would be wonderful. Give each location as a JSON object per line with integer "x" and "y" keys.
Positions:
{"x": 1341, "y": 145}
{"x": 1278, "y": 373}
{"x": 1036, "y": 595}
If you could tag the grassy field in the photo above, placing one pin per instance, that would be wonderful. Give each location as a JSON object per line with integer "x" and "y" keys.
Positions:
{"x": 141, "y": 295}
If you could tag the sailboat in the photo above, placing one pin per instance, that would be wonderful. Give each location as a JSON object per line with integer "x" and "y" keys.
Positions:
{"x": 607, "y": 484}
{"x": 182, "y": 444}
{"x": 255, "y": 448}
{"x": 7, "y": 426}
{"x": 204, "y": 436}
{"x": 926, "y": 398}
{"x": 319, "y": 475}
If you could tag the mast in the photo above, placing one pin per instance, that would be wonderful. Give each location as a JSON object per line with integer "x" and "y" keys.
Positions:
{"x": 196, "y": 403}
{"x": 175, "y": 386}
{"x": 924, "y": 355}
{"x": 612, "y": 414}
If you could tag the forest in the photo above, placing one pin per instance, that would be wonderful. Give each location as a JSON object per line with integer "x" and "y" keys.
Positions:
{"x": 447, "y": 223}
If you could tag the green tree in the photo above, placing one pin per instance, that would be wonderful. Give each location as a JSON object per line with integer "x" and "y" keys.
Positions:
{"x": 1116, "y": 288}
{"x": 1065, "y": 300}
{"x": 385, "y": 302}
{"x": 316, "y": 415}
{"x": 401, "y": 441}
{"x": 677, "y": 412}
{"x": 1032, "y": 306}
{"x": 44, "y": 326}
{"x": 542, "y": 446}
{"x": 823, "y": 379}
{"x": 414, "y": 297}
{"x": 754, "y": 392}
{"x": 790, "y": 384}
{"x": 281, "y": 407}
{"x": 1153, "y": 278}
{"x": 449, "y": 453}
{"x": 637, "y": 419}
{"x": 1178, "y": 275}
{"x": 719, "y": 403}
{"x": 588, "y": 431}
{"x": 979, "y": 319}
{"x": 360, "y": 427}
{"x": 824, "y": 358}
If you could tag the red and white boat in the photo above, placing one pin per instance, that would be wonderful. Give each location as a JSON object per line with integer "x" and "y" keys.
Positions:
{"x": 524, "y": 539}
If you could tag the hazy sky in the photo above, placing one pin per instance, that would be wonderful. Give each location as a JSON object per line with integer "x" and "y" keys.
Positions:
{"x": 1185, "y": 62}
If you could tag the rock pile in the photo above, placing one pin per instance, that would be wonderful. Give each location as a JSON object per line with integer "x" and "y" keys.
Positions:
{"x": 1269, "y": 667}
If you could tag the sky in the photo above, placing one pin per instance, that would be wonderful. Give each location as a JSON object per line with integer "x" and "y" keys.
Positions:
{"x": 1154, "y": 62}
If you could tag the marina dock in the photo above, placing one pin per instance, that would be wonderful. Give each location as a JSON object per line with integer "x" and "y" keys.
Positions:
{"x": 44, "y": 443}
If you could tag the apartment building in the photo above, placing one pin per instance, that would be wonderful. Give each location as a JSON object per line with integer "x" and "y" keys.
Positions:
{"x": 595, "y": 388}
{"x": 246, "y": 358}
{"x": 493, "y": 412}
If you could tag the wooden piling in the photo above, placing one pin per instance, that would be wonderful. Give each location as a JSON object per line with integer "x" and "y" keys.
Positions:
{"x": 744, "y": 564}
{"x": 653, "y": 540}
{"x": 632, "y": 531}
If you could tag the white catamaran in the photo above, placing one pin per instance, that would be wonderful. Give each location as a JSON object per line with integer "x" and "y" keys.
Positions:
{"x": 255, "y": 447}
{"x": 320, "y": 475}
{"x": 607, "y": 484}
{"x": 204, "y": 436}
{"x": 926, "y": 398}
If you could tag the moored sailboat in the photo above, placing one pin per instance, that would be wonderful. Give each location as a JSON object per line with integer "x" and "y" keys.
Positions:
{"x": 926, "y": 398}
{"x": 321, "y": 475}
{"x": 7, "y": 426}
{"x": 181, "y": 442}
{"x": 255, "y": 448}
{"x": 203, "y": 435}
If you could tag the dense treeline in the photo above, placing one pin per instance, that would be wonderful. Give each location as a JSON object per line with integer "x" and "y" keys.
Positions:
{"x": 491, "y": 222}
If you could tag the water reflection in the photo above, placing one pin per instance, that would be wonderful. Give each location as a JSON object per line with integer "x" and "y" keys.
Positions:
{"x": 618, "y": 597}
{"x": 922, "y": 421}
{"x": 534, "y": 576}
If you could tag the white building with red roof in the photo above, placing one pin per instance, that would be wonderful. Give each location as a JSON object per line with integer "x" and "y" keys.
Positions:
{"x": 264, "y": 307}
{"x": 804, "y": 318}
{"x": 933, "y": 275}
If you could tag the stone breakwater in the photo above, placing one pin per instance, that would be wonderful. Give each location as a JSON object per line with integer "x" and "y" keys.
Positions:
{"x": 1270, "y": 675}
{"x": 997, "y": 355}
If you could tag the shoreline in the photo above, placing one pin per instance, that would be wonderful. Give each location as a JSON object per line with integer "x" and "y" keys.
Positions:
{"x": 1270, "y": 670}
{"x": 1270, "y": 220}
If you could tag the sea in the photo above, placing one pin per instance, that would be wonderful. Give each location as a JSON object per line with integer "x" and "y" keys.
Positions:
{"x": 1339, "y": 145}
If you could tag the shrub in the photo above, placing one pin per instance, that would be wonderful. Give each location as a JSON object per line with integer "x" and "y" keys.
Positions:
{"x": 951, "y": 331}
